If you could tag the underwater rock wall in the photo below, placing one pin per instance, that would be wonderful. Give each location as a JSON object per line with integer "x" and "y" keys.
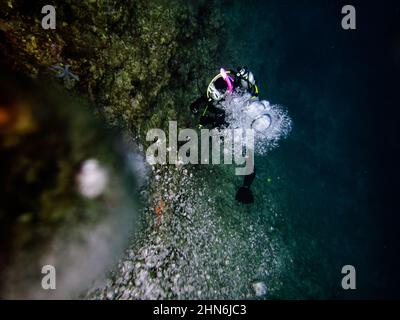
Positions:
{"x": 195, "y": 249}
{"x": 135, "y": 65}
{"x": 138, "y": 62}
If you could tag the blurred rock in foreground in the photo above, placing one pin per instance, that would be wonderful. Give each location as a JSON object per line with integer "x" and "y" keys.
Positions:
{"x": 67, "y": 195}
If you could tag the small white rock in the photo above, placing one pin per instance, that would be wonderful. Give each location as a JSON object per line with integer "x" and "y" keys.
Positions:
{"x": 260, "y": 288}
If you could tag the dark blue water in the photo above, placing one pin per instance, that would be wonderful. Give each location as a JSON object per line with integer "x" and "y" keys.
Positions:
{"x": 339, "y": 87}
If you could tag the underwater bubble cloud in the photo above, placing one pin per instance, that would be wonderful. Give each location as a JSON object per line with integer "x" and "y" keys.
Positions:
{"x": 270, "y": 123}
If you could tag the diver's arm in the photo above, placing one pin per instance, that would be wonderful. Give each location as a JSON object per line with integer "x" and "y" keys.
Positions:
{"x": 198, "y": 104}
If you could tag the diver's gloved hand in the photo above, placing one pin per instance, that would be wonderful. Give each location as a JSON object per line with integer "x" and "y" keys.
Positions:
{"x": 196, "y": 105}
{"x": 244, "y": 195}
{"x": 194, "y": 108}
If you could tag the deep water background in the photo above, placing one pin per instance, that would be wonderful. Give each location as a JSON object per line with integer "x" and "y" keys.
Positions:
{"x": 335, "y": 168}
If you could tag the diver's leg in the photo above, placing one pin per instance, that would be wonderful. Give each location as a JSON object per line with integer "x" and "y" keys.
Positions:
{"x": 248, "y": 180}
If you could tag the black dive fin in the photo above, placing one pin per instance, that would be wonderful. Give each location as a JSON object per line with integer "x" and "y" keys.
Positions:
{"x": 244, "y": 195}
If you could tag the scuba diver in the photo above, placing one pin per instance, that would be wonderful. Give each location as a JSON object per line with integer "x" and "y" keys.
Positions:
{"x": 213, "y": 116}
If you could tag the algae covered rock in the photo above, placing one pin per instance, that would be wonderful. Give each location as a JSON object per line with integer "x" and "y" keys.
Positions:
{"x": 67, "y": 197}
{"x": 134, "y": 59}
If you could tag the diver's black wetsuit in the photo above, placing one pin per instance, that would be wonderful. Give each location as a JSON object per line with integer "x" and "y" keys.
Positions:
{"x": 210, "y": 116}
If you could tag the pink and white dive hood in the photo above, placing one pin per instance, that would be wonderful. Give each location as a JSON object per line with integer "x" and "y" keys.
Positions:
{"x": 227, "y": 79}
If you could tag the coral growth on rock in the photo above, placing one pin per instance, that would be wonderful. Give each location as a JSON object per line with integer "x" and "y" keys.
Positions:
{"x": 139, "y": 62}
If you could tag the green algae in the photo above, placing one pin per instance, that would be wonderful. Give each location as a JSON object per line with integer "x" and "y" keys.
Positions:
{"x": 138, "y": 63}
